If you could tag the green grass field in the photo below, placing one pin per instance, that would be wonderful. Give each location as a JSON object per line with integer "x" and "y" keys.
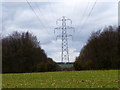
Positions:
{"x": 72, "y": 79}
{"x": 65, "y": 65}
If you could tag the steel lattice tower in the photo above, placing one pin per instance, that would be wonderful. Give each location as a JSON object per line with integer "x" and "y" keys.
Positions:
{"x": 64, "y": 36}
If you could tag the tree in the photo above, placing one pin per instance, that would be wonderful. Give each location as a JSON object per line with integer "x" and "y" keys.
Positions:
{"x": 22, "y": 53}
{"x": 101, "y": 50}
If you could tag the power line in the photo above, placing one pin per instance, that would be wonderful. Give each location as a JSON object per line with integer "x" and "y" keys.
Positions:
{"x": 82, "y": 17}
{"x": 92, "y": 8}
{"x": 37, "y": 16}
{"x": 49, "y": 3}
{"x": 35, "y": 13}
{"x": 89, "y": 13}
{"x": 40, "y": 12}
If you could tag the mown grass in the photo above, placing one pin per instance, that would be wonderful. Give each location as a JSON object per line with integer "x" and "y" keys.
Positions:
{"x": 71, "y": 79}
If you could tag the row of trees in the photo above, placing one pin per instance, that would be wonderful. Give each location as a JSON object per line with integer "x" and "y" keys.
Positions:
{"x": 102, "y": 50}
{"x": 21, "y": 52}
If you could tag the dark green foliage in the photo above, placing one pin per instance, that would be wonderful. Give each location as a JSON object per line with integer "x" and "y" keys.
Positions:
{"x": 52, "y": 66}
{"x": 21, "y": 52}
{"x": 102, "y": 51}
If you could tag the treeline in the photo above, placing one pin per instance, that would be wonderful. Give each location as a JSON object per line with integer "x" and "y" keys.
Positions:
{"x": 102, "y": 51}
{"x": 21, "y": 53}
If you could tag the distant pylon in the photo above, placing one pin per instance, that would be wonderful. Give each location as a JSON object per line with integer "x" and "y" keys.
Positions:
{"x": 64, "y": 36}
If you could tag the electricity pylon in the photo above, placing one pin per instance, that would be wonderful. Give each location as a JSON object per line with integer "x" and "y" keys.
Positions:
{"x": 64, "y": 36}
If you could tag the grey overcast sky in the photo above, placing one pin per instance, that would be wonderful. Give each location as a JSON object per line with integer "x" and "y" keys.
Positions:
{"x": 18, "y": 16}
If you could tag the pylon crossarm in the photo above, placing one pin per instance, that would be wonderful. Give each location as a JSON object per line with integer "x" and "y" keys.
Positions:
{"x": 70, "y": 36}
{"x": 68, "y": 27}
{"x": 69, "y": 20}
{"x": 57, "y": 29}
{"x": 58, "y": 36}
{"x": 58, "y": 20}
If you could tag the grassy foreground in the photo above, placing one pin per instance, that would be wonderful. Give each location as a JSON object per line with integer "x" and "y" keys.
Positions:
{"x": 72, "y": 79}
